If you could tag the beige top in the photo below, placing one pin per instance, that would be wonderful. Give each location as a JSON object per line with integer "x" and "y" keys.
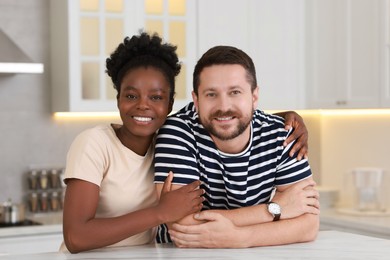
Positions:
{"x": 124, "y": 177}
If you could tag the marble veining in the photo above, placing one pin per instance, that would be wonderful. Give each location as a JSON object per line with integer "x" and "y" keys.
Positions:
{"x": 329, "y": 245}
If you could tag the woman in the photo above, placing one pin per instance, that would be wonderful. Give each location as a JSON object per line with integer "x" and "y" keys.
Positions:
{"x": 110, "y": 197}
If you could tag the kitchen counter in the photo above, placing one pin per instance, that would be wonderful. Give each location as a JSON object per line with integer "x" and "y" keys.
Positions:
{"x": 51, "y": 223}
{"x": 378, "y": 226}
{"x": 328, "y": 245}
{"x": 33, "y": 239}
{"x": 30, "y": 230}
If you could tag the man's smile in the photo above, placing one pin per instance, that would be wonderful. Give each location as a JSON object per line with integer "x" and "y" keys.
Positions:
{"x": 224, "y": 118}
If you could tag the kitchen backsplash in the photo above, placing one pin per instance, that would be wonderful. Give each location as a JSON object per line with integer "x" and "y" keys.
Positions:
{"x": 343, "y": 141}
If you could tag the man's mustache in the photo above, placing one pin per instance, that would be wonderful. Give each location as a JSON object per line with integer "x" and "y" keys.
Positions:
{"x": 220, "y": 113}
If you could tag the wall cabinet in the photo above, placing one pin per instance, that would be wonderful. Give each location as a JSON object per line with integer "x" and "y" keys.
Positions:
{"x": 384, "y": 13}
{"x": 84, "y": 33}
{"x": 271, "y": 33}
{"x": 308, "y": 53}
{"x": 344, "y": 42}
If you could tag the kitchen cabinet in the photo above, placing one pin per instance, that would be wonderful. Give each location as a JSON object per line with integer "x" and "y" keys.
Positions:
{"x": 84, "y": 33}
{"x": 82, "y": 36}
{"x": 344, "y": 42}
{"x": 385, "y": 52}
{"x": 31, "y": 239}
{"x": 271, "y": 32}
{"x": 308, "y": 54}
{"x": 31, "y": 244}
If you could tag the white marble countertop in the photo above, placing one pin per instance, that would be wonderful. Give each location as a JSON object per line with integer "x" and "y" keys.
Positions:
{"x": 30, "y": 230}
{"x": 378, "y": 225}
{"x": 328, "y": 245}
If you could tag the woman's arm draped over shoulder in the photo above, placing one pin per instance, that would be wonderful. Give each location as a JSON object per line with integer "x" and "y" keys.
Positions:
{"x": 300, "y": 133}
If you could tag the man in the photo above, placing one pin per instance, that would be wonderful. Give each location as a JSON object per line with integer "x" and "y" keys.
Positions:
{"x": 239, "y": 155}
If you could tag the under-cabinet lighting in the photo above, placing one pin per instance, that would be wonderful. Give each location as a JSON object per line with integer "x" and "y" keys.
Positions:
{"x": 354, "y": 112}
{"x": 320, "y": 112}
{"x": 94, "y": 115}
{"x": 11, "y": 67}
{"x": 338, "y": 112}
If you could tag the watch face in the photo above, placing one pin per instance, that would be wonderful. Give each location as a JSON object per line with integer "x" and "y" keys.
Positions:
{"x": 274, "y": 208}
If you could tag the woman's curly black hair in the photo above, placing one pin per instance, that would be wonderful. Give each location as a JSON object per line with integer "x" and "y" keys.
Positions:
{"x": 143, "y": 50}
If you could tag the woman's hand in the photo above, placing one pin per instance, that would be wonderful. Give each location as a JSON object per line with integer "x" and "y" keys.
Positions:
{"x": 176, "y": 204}
{"x": 300, "y": 133}
{"x": 298, "y": 199}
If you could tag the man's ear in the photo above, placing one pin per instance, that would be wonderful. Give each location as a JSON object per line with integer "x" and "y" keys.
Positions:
{"x": 255, "y": 97}
{"x": 195, "y": 99}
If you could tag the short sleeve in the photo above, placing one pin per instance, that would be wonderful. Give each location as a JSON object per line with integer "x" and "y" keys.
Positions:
{"x": 289, "y": 170}
{"x": 85, "y": 158}
{"x": 176, "y": 151}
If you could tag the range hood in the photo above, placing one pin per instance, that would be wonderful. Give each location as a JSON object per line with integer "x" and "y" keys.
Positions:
{"x": 13, "y": 59}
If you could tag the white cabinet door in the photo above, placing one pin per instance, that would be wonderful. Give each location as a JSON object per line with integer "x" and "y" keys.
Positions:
{"x": 30, "y": 244}
{"x": 271, "y": 33}
{"x": 343, "y": 54}
{"x": 276, "y": 44}
{"x": 84, "y": 33}
{"x": 222, "y": 22}
{"x": 385, "y": 52}
{"x": 175, "y": 21}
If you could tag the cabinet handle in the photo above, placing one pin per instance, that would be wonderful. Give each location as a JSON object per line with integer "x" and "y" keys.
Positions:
{"x": 341, "y": 102}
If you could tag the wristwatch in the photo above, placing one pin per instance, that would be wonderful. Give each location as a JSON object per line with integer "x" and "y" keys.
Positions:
{"x": 274, "y": 209}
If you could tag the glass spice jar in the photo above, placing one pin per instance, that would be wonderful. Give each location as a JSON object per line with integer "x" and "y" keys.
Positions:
{"x": 43, "y": 180}
{"x": 33, "y": 179}
{"x": 44, "y": 202}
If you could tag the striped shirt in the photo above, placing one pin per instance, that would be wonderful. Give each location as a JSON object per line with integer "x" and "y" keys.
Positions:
{"x": 230, "y": 181}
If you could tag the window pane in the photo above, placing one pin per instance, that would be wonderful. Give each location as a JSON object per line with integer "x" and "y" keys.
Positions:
{"x": 90, "y": 80}
{"x": 89, "y": 5}
{"x": 89, "y": 36}
{"x": 177, "y": 36}
{"x": 177, "y": 7}
{"x": 110, "y": 90}
{"x": 181, "y": 88}
{"x": 154, "y": 6}
{"x": 114, "y": 34}
{"x": 153, "y": 26}
{"x": 114, "y": 6}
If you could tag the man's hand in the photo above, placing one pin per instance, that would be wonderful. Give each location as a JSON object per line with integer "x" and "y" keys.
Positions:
{"x": 298, "y": 199}
{"x": 300, "y": 133}
{"x": 217, "y": 232}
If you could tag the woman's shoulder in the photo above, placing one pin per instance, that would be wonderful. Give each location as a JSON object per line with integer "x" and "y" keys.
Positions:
{"x": 97, "y": 134}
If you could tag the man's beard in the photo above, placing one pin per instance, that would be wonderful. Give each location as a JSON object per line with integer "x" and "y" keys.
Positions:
{"x": 243, "y": 123}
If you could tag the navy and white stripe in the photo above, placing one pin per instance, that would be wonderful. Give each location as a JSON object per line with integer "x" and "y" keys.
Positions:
{"x": 230, "y": 180}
